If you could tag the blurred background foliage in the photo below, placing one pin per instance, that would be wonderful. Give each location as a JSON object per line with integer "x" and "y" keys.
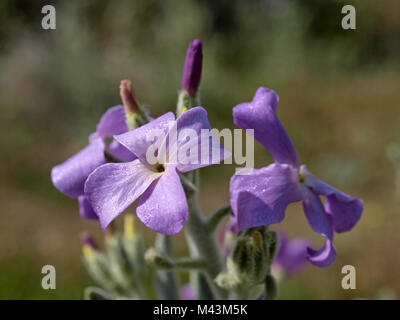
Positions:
{"x": 339, "y": 99}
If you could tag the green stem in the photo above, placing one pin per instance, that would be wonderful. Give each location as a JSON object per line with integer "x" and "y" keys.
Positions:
{"x": 216, "y": 217}
{"x": 189, "y": 263}
{"x": 167, "y": 281}
{"x": 185, "y": 101}
{"x": 203, "y": 245}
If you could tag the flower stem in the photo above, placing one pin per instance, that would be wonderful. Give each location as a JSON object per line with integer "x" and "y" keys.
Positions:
{"x": 203, "y": 245}
{"x": 216, "y": 217}
{"x": 167, "y": 281}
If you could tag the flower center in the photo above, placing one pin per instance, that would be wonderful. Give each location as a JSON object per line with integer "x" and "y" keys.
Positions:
{"x": 159, "y": 167}
{"x": 303, "y": 174}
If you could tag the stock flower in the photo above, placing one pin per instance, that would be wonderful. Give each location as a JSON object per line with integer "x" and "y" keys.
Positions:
{"x": 112, "y": 187}
{"x": 69, "y": 177}
{"x": 292, "y": 254}
{"x": 192, "y": 69}
{"x": 261, "y": 197}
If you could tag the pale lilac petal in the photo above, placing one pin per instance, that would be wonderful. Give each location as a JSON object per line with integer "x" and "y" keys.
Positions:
{"x": 163, "y": 206}
{"x": 196, "y": 121}
{"x": 120, "y": 152}
{"x": 113, "y": 122}
{"x": 323, "y": 257}
{"x": 85, "y": 209}
{"x": 112, "y": 187}
{"x": 260, "y": 115}
{"x": 69, "y": 177}
{"x": 139, "y": 140}
{"x": 261, "y": 197}
{"x": 344, "y": 209}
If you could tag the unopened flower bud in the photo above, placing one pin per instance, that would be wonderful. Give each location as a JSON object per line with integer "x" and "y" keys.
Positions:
{"x": 271, "y": 287}
{"x": 129, "y": 226}
{"x": 247, "y": 264}
{"x": 128, "y": 97}
{"x": 257, "y": 239}
{"x": 192, "y": 70}
{"x": 273, "y": 245}
{"x": 88, "y": 252}
{"x": 89, "y": 245}
{"x": 110, "y": 231}
{"x": 96, "y": 263}
{"x": 158, "y": 260}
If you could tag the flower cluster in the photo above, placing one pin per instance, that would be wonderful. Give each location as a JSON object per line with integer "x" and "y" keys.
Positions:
{"x": 117, "y": 168}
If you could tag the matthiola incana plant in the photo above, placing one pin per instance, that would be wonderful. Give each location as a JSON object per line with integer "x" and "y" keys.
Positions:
{"x": 156, "y": 160}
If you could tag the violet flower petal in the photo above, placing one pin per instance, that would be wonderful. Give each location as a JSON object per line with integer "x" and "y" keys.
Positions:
{"x": 69, "y": 177}
{"x": 321, "y": 223}
{"x": 163, "y": 206}
{"x": 139, "y": 140}
{"x": 344, "y": 209}
{"x": 323, "y": 257}
{"x": 260, "y": 115}
{"x": 85, "y": 209}
{"x": 196, "y": 119}
{"x": 112, "y": 187}
{"x": 345, "y": 215}
{"x": 113, "y": 122}
{"x": 260, "y": 198}
{"x": 120, "y": 152}
{"x": 316, "y": 215}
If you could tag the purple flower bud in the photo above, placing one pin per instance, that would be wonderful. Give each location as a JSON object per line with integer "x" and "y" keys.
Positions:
{"x": 87, "y": 239}
{"x": 192, "y": 70}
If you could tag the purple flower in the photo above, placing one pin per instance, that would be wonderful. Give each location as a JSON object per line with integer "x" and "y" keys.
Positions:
{"x": 261, "y": 197}
{"x": 192, "y": 70}
{"x": 70, "y": 176}
{"x": 112, "y": 187}
{"x": 292, "y": 255}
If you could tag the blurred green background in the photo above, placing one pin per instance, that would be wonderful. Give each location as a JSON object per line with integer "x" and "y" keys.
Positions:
{"x": 339, "y": 100}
